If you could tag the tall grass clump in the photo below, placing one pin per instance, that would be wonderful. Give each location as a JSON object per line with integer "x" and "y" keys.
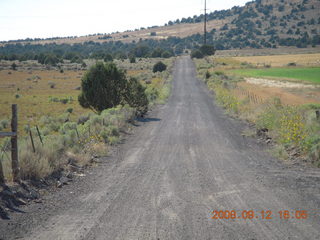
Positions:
{"x": 221, "y": 85}
{"x": 63, "y": 138}
{"x": 287, "y": 123}
{"x": 226, "y": 98}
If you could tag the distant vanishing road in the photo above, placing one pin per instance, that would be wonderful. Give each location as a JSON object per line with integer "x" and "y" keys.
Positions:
{"x": 185, "y": 161}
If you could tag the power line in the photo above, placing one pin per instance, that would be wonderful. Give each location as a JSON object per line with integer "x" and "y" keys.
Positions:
{"x": 205, "y": 23}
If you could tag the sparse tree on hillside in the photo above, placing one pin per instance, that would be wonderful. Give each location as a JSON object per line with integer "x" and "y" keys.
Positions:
{"x": 166, "y": 54}
{"x": 157, "y": 53}
{"x": 141, "y": 51}
{"x": 108, "y": 58}
{"x": 207, "y": 50}
{"x": 132, "y": 59}
{"x": 196, "y": 54}
{"x": 83, "y": 65}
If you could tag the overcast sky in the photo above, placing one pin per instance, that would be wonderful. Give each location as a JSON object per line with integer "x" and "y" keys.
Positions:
{"x": 21, "y": 19}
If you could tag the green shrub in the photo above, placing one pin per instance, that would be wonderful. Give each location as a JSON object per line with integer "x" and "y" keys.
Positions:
{"x": 68, "y": 126}
{"x": 14, "y": 66}
{"x": 115, "y": 132}
{"x": 83, "y": 65}
{"x": 96, "y": 119}
{"x": 44, "y": 161}
{"x": 159, "y": 67}
{"x": 64, "y": 100}
{"x": 54, "y": 126}
{"x": 166, "y": 54}
{"x": 45, "y": 120}
{"x": 219, "y": 73}
{"x": 65, "y": 117}
{"x": 292, "y": 128}
{"x": 196, "y": 54}
{"x": 4, "y": 123}
{"x": 136, "y": 97}
{"x": 164, "y": 94}
{"x": 208, "y": 75}
{"x": 226, "y": 98}
{"x": 104, "y": 134}
{"x": 83, "y": 119}
{"x": 108, "y": 58}
{"x": 69, "y": 110}
{"x": 45, "y": 131}
{"x": 132, "y": 59}
{"x": 268, "y": 118}
{"x": 315, "y": 153}
{"x": 207, "y": 50}
{"x": 113, "y": 140}
{"x": 52, "y": 84}
{"x": 102, "y": 87}
{"x": 152, "y": 94}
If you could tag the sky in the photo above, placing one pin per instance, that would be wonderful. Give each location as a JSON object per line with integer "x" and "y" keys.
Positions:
{"x": 20, "y": 19}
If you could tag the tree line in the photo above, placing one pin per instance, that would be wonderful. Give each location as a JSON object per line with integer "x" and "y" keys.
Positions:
{"x": 256, "y": 25}
{"x": 242, "y": 37}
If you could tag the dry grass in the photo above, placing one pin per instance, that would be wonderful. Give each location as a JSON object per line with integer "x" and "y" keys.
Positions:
{"x": 64, "y": 139}
{"x": 32, "y": 91}
{"x": 288, "y": 97}
{"x": 33, "y": 94}
{"x": 282, "y": 60}
{"x": 266, "y": 51}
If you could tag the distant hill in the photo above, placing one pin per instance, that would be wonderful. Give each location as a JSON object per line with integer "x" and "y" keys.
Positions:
{"x": 261, "y": 23}
{"x": 258, "y": 24}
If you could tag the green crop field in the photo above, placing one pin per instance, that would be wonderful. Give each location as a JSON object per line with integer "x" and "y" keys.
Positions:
{"x": 305, "y": 74}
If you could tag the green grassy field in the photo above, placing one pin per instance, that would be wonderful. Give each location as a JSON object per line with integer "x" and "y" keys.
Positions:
{"x": 305, "y": 74}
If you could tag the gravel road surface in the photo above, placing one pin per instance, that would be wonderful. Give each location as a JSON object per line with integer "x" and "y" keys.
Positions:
{"x": 183, "y": 162}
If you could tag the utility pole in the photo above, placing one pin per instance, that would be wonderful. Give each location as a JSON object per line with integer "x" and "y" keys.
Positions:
{"x": 205, "y": 23}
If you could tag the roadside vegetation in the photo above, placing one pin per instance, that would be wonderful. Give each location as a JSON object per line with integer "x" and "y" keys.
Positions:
{"x": 204, "y": 50}
{"x": 70, "y": 135}
{"x": 293, "y": 128}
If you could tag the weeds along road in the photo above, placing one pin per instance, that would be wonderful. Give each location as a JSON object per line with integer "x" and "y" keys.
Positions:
{"x": 185, "y": 161}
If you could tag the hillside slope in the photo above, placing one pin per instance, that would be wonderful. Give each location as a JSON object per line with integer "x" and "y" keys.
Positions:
{"x": 261, "y": 23}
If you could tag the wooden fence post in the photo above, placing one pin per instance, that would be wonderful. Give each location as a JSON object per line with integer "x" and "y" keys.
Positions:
{"x": 31, "y": 138}
{"x": 77, "y": 133}
{"x": 14, "y": 144}
{"x": 39, "y": 134}
{"x": 2, "y": 181}
{"x": 318, "y": 115}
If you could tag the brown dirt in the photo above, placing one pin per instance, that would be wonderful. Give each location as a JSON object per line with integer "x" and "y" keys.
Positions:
{"x": 290, "y": 97}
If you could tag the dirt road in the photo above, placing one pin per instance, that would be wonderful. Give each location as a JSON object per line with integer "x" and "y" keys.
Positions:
{"x": 182, "y": 163}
